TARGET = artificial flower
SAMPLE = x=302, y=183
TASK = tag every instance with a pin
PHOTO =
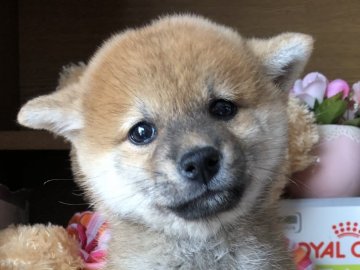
x=338, y=86
x=92, y=233
x=332, y=103
x=311, y=88
x=353, y=110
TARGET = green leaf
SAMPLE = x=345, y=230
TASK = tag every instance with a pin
x=316, y=105
x=330, y=110
x=353, y=122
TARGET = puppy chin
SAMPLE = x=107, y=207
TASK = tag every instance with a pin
x=209, y=204
x=166, y=221
x=201, y=229
x=172, y=224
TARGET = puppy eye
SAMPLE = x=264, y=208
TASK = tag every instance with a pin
x=142, y=133
x=222, y=109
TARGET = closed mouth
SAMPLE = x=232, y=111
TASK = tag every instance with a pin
x=208, y=204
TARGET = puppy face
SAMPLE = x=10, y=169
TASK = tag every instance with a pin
x=178, y=124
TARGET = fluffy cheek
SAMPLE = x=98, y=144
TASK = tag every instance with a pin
x=114, y=183
x=263, y=136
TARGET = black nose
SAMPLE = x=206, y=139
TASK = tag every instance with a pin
x=200, y=165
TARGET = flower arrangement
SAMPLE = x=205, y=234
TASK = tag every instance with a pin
x=92, y=233
x=333, y=102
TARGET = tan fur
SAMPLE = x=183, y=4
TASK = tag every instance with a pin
x=303, y=136
x=168, y=72
x=117, y=67
x=38, y=247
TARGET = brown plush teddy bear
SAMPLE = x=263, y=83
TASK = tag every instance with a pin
x=51, y=247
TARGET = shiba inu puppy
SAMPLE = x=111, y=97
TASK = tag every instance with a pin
x=179, y=137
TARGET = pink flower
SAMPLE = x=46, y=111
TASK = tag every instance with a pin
x=92, y=233
x=311, y=88
x=338, y=86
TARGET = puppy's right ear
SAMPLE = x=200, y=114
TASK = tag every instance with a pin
x=59, y=112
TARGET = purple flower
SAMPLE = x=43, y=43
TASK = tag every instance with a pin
x=338, y=86
x=311, y=88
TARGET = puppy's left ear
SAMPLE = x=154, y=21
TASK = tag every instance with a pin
x=283, y=57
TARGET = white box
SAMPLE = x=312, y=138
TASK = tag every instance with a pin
x=329, y=229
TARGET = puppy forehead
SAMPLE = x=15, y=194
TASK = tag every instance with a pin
x=166, y=67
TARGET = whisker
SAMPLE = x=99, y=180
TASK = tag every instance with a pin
x=55, y=179
x=80, y=194
x=73, y=204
